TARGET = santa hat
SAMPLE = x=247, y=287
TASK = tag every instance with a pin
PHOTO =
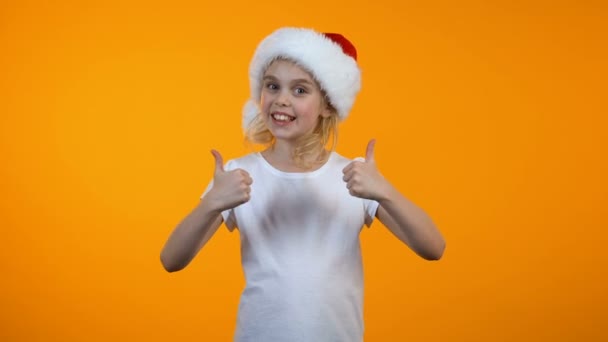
x=330, y=57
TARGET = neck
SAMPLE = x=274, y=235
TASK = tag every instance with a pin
x=281, y=156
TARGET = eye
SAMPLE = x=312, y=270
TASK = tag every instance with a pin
x=300, y=90
x=272, y=86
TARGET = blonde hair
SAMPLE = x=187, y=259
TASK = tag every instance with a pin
x=313, y=144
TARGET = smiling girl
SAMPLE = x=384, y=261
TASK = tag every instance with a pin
x=298, y=205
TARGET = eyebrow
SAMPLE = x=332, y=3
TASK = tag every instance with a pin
x=296, y=81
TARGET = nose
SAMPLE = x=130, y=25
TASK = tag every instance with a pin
x=282, y=98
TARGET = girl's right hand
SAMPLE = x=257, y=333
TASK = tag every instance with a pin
x=230, y=189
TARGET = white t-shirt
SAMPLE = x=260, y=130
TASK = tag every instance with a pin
x=300, y=253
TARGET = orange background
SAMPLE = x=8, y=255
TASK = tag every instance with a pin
x=489, y=115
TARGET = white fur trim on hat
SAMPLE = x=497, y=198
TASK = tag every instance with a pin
x=337, y=73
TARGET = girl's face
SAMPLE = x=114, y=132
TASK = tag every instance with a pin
x=291, y=101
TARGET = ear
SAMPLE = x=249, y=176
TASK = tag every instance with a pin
x=327, y=109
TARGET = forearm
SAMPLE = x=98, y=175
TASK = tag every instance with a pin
x=410, y=224
x=189, y=236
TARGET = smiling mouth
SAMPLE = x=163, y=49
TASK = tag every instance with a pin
x=282, y=117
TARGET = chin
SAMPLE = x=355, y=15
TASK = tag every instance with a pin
x=284, y=137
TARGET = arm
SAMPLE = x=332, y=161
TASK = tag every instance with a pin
x=403, y=218
x=230, y=189
x=190, y=236
x=410, y=224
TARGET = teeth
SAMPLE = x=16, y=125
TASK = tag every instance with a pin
x=281, y=117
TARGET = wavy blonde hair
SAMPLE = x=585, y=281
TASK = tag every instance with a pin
x=325, y=134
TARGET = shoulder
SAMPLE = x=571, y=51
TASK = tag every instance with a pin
x=340, y=161
x=243, y=162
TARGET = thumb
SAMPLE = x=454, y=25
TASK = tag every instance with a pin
x=219, y=161
x=369, y=153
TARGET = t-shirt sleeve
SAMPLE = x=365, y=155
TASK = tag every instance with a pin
x=227, y=215
x=371, y=207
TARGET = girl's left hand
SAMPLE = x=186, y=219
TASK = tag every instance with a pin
x=363, y=178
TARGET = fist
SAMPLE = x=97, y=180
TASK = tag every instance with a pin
x=230, y=189
x=362, y=178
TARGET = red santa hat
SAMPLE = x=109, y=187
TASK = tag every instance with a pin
x=329, y=57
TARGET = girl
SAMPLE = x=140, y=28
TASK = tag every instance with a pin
x=298, y=205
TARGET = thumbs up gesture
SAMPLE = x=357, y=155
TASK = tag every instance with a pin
x=230, y=189
x=363, y=178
